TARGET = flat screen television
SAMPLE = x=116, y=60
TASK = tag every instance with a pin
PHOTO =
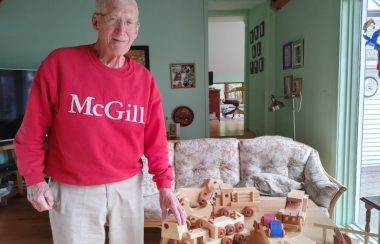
x=15, y=86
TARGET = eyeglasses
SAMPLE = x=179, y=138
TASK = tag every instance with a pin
x=113, y=20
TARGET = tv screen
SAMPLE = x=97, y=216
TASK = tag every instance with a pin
x=14, y=91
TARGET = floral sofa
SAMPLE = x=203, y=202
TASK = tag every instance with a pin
x=273, y=164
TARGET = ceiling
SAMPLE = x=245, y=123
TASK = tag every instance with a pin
x=214, y=5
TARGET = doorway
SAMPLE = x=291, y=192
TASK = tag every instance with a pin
x=226, y=45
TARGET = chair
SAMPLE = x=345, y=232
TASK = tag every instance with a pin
x=235, y=97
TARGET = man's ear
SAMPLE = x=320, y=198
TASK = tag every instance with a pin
x=95, y=22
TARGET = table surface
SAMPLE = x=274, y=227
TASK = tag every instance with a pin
x=373, y=201
x=314, y=214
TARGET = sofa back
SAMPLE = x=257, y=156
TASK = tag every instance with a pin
x=273, y=164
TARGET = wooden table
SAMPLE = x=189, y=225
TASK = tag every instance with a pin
x=370, y=203
x=314, y=214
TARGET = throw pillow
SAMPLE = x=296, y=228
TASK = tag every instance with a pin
x=270, y=184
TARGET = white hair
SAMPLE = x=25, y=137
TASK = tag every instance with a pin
x=101, y=5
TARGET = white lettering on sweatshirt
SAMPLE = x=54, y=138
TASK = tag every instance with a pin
x=128, y=112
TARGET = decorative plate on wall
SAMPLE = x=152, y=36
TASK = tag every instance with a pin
x=183, y=115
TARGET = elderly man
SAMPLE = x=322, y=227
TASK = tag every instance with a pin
x=92, y=113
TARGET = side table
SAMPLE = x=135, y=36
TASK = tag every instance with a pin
x=370, y=203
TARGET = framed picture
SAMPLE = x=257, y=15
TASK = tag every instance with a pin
x=287, y=55
x=251, y=37
x=256, y=67
x=256, y=32
x=253, y=51
x=261, y=64
x=288, y=86
x=297, y=86
x=251, y=67
x=182, y=75
x=140, y=54
x=298, y=53
x=258, y=51
x=261, y=28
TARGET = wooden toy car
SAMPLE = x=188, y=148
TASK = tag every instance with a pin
x=225, y=230
x=294, y=214
x=276, y=229
x=267, y=218
x=221, y=196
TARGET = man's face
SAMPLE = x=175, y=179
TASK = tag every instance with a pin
x=117, y=28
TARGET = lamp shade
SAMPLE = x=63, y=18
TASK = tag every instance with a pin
x=275, y=105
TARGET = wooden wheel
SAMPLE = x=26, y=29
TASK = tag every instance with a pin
x=224, y=212
x=226, y=240
x=239, y=238
x=193, y=220
x=221, y=232
x=239, y=227
x=247, y=212
x=230, y=229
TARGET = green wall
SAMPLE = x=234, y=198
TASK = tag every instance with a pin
x=318, y=23
x=174, y=30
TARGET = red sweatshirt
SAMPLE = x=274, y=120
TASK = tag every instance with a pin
x=99, y=122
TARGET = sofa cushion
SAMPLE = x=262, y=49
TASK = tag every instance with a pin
x=149, y=187
x=317, y=184
x=273, y=154
x=283, y=156
x=271, y=184
x=200, y=159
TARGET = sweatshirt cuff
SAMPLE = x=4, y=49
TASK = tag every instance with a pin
x=33, y=179
x=163, y=183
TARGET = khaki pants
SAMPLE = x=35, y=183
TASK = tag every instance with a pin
x=80, y=213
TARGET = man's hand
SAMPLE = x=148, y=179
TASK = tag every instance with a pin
x=169, y=200
x=40, y=196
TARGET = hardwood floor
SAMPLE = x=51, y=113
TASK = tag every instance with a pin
x=21, y=224
x=229, y=127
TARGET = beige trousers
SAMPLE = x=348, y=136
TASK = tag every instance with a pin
x=80, y=213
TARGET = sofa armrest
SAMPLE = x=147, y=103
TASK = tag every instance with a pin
x=337, y=195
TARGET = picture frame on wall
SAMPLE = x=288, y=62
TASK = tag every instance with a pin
x=253, y=51
x=288, y=86
x=297, y=87
x=298, y=53
x=140, y=54
x=251, y=36
x=287, y=51
x=258, y=49
x=251, y=67
x=261, y=64
x=182, y=75
x=261, y=28
x=256, y=32
x=255, y=66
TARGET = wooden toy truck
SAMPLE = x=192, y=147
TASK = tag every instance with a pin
x=225, y=230
x=294, y=214
x=221, y=196
x=227, y=199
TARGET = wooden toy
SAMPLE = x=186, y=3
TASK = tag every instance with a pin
x=345, y=230
x=224, y=229
x=258, y=235
x=276, y=229
x=221, y=196
x=339, y=238
x=267, y=218
x=294, y=214
x=226, y=199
